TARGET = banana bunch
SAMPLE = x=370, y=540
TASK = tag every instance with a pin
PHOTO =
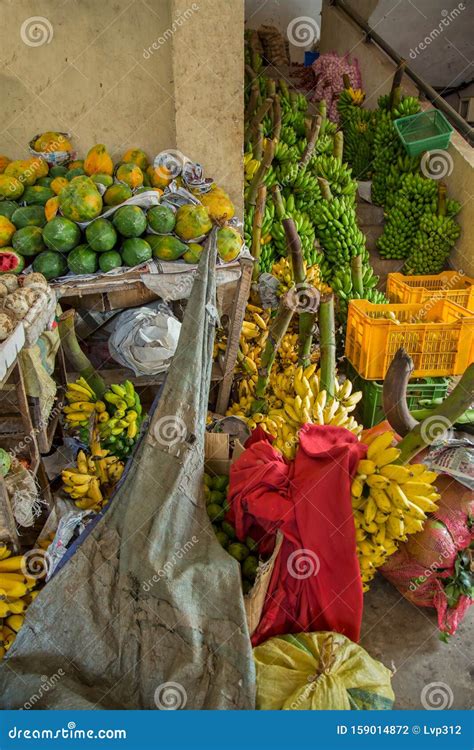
x=400, y=173
x=342, y=286
x=282, y=271
x=16, y=593
x=432, y=244
x=336, y=173
x=303, y=226
x=389, y=501
x=359, y=132
x=387, y=146
x=413, y=227
x=336, y=227
x=250, y=166
x=294, y=399
x=349, y=100
x=119, y=424
x=89, y=483
x=82, y=403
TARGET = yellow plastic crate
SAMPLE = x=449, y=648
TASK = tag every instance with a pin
x=451, y=285
x=439, y=338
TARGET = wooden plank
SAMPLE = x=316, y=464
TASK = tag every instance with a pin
x=236, y=319
x=8, y=532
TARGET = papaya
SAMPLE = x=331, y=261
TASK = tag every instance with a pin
x=37, y=195
x=29, y=216
x=51, y=208
x=7, y=230
x=193, y=253
x=8, y=208
x=28, y=241
x=229, y=243
x=80, y=201
x=45, y=181
x=39, y=166
x=192, y=221
x=109, y=260
x=116, y=194
x=102, y=179
x=61, y=234
x=98, y=160
x=159, y=176
x=82, y=260
x=166, y=246
x=75, y=164
x=130, y=174
x=161, y=219
x=135, y=251
x=101, y=235
x=76, y=172
x=58, y=171
x=20, y=169
x=137, y=156
x=58, y=184
x=219, y=206
x=50, y=264
x=4, y=162
x=129, y=221
x=51, y=141
x=10, y=187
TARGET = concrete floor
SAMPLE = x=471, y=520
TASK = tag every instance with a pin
x=406, y=639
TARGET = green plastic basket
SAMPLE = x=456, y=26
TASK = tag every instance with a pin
x=425, y=131
x=370, y=410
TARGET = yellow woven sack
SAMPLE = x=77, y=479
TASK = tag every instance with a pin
x=319, y=671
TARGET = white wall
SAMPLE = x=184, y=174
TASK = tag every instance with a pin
x=281, y=14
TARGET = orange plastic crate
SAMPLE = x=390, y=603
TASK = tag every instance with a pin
x=439, y=338
x=451, y=285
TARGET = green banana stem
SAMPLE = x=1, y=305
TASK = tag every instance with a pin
x=278, y=202
x=396, y=90
x=325, y=189
x=327, y=337
x=277, y=330
x=356, y=273
x=440, y=419
x=338, y=145
x=442, y=199
x=75, y=356
x=315, y=129
x=259, y=175
x=256, y=248
x=276, y=114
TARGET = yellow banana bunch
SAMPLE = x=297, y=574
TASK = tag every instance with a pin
x=282, y=271
x=357, y=95
x=16, y=593
x=82, y=403
x=85, y=482
x=389, y=501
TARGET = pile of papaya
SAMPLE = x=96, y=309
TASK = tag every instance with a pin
x=52, y=214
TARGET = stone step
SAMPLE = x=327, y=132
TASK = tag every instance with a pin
x=369, y=215
x=372, y=233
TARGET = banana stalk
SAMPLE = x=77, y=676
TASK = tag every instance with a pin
x=460, y=399
x=441, y=199
x=276, y=116
x=327, y=337
x=316, y=123
x=277, y=330
x=252, y=127
x=396, y=90
x=257, y=230
x=356, y=274
x=338, y=147
x=259, y=175
x=76, y=356
x=325, y=189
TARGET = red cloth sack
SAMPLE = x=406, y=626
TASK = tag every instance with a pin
x=315, y=584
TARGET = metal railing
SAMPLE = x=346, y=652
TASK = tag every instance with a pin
x=431, y=94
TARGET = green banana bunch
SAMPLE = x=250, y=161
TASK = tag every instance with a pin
x=432, y=244
x=337, y=174
x=359, y=131
x=415, y=197
x=337, y=230
x=342, y=285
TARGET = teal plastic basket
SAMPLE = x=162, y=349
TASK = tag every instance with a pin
x=425, y=131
